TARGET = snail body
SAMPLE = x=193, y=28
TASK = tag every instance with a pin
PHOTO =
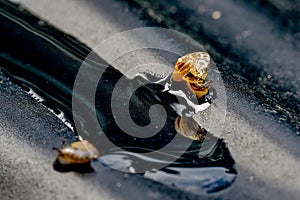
x=80, y=152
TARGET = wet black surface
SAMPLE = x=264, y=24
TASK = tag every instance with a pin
x=33, y=57
x=28, y=133
x=265, y=150
x=255, y=45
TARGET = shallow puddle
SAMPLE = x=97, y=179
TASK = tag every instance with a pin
x=181, y=154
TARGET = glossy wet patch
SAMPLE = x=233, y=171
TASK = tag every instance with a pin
x=47, y=60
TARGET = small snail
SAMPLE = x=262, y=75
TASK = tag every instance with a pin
x=80, y=152
x=193, y=68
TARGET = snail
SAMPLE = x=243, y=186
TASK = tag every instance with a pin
x=80, y=152
x=193, y=68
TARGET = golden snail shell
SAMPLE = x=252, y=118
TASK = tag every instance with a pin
x=193, y=68
x=77, y=153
